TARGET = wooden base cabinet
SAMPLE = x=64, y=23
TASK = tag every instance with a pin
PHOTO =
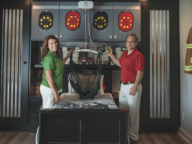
x=34, y=105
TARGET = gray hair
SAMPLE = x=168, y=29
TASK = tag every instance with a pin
x=132, y=34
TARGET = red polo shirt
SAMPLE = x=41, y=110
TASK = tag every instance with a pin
x=130, y=64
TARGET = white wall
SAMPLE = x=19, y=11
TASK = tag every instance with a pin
x=185, y=79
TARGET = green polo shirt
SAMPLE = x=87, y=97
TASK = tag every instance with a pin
x=54, y=63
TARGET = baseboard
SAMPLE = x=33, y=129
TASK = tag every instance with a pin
x=158, y=128
x=32, y=130
x=185, y=135
x=14, y=127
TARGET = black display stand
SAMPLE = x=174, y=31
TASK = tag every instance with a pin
x=82, y=126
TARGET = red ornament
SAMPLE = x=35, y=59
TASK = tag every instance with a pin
x=126, y=21
x=72, y=20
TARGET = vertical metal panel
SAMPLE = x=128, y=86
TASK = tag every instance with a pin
x=161, y=41
x=158, y=61
x=16, y=63
x=163, y=64
x=5, y=64
x=168, y=71
x=12, y=64
x=20, y=61
x=2, y=56
x=166, y=75
x=9, y=64
x=151, y=47
x=159, y=64
x=166, y=84
x=155, y=62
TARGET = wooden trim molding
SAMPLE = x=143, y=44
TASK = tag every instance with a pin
x=143, y=1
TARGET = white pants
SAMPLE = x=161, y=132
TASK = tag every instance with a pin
x=48, y=101
x=132, y=103
x=47, y=96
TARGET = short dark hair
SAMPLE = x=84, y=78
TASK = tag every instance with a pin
x=132, y=34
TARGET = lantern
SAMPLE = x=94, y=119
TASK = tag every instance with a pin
x=100, y=20
x=46, y=20
x=72, y=20
x=125, y=21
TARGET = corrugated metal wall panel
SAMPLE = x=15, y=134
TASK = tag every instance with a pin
x=159, y=64
x=11, y=63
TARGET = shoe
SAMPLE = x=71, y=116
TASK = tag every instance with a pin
x=132, y=141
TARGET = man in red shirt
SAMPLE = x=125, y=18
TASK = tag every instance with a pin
x=132, y=65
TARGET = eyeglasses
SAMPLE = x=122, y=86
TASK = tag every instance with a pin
x=130, y=42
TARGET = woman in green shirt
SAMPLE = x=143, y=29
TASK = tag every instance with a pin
x=52, y=71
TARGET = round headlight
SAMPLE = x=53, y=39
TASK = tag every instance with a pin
x=125, y=21
x=100, y=20
x=72, y=20
x=45, y=20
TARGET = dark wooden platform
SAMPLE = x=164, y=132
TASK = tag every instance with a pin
x=83, y=126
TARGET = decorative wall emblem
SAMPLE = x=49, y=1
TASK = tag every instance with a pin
x=46, y=20
x=125, y=21
x=100, y=20
x=72, y=20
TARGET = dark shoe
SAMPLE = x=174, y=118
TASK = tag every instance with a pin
x=132, y=141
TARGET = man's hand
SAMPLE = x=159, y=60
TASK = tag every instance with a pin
x=133, y=91
x=114, y=59
x=109, y=53
x=57, y=97
x=138, y=79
